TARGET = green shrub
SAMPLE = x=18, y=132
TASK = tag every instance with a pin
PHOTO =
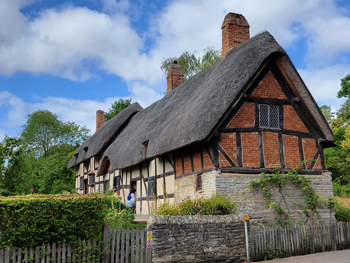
x=120, y=218
x=5, y=192
x=188, y=207
x=33, y=220
x=215, y=205
x=168, y=209
x=112, y=202
x=341, y=190
x=61, y=188
x=342, y=213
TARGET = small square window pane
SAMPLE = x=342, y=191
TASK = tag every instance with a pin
x=274, y=116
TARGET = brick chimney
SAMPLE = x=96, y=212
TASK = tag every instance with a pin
x=175, y=76
x=100, y=119
x=235, y=30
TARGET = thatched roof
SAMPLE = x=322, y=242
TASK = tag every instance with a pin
x=100, y=140
x=192, y=111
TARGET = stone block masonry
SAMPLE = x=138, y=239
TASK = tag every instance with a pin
x=198, y=239
x=254, y=203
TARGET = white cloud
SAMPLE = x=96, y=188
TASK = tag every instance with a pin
x=82, y=112
x=70, y=41
x=324, y=84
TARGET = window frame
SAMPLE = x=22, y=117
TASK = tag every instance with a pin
x=149, y=190
x=116, y=182
x=91, y=176
x=199, y=182
x=269, y=106
x=82, y=183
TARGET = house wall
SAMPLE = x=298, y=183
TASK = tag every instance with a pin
x=201, y=169
x=243, y=143
x=254, y=203
x=193, y=158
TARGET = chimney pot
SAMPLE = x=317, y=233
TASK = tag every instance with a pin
x=175, y=76
x=235, y=30
x=100, y=119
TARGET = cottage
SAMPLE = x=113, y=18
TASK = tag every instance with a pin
x=246, y=114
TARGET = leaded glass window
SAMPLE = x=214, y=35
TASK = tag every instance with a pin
x=268, y=116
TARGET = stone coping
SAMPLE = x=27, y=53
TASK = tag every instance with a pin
x=196, y=219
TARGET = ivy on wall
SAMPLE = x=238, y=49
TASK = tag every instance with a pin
x=278, y=179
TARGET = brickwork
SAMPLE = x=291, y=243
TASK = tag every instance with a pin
x=310, y=149
x=100, y=119
x=250, y=150
x=223, y=161
x=178, y=162
x=228, y=143
x=245, y=117
x=291, y=151
x=269, y=88
x=235, y=30
x=292, y=120
x=271, y=150
x=318, y=165
x=206, y=159
x=196, y=157
x=175, y=76
x=197, y=239
x=187, y=160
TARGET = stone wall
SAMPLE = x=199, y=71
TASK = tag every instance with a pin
x=254, y=203
x=198, y=239
x=185, y=187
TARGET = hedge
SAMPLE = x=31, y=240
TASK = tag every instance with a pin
x=35, y=220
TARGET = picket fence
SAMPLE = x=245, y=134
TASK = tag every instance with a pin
x=296, y=240
x=119, y=246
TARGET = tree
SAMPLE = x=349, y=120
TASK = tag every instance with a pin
x=337, y=159
x=327, y=113
x=43, y=130
x=13, y=164
x=191, y=64
x=116, y=107
x=345, y=87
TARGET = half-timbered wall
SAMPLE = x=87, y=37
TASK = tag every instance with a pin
x=247, y=141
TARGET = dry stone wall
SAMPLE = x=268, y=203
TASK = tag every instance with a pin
x=198, y=239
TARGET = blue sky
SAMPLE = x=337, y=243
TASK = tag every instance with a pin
x=75, y=57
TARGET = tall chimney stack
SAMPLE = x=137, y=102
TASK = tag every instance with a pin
x=100, y=119
x=175, y=76
x=235, y=30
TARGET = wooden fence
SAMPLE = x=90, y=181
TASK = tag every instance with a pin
x=267, y=243
x=119, y=246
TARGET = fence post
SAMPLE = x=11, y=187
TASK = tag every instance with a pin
x=106, y=238
x=246, y=219
x=149, y=247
